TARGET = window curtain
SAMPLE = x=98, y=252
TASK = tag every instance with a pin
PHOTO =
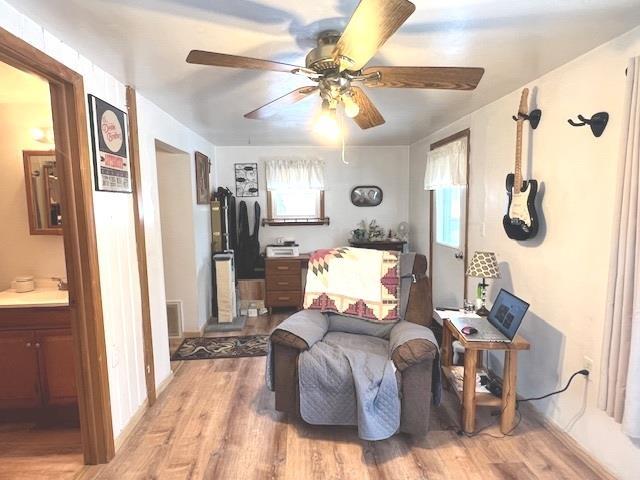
x=447, y=165
x=294, y=173
x=619, y=392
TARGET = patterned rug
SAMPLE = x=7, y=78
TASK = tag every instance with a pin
x=203, y=348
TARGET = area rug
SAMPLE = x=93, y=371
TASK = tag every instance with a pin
x=203, y=348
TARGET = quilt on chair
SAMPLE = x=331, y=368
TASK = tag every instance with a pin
x=354, y=282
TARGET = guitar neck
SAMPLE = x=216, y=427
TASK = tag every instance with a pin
x=517, y=180
x=522, y=110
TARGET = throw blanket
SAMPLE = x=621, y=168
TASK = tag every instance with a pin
x=355, y=282
x=348, y=379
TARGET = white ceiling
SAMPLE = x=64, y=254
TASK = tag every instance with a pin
x=145, y=42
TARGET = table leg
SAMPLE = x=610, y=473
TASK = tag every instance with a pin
x=509, y=390
x=469, y=391
x=447, y=349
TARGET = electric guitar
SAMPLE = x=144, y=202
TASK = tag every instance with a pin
x=521, y=220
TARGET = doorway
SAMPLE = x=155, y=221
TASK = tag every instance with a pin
x=175, y=196
x=448, y=224
x=38, y=393
x=69, y=204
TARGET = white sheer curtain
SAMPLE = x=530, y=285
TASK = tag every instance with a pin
x=620, y=374
x=284, y=173
x=447, y=165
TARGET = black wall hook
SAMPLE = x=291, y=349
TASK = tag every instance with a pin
x=533, y=117
x=597, y=123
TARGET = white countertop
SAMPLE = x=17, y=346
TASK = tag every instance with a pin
x=40, y=297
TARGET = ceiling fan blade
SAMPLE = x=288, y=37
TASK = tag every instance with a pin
x=373, y=22
x=272, y=107
x=200, y=57
x=447, y=78
x=369, y=115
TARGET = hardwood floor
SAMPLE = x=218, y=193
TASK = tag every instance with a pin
x=27, y=452
x=217, y=421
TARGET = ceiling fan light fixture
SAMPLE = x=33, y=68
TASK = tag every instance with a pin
x=351, y=108
x=327, y=126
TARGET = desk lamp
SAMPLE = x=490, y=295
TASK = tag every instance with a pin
x=483, y=265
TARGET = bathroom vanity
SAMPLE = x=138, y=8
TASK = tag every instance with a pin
x=37, y=377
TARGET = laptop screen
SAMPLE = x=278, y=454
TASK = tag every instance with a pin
x=507, y=313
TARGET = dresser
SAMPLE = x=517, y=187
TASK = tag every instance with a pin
x=390, y=245
x=284, y=281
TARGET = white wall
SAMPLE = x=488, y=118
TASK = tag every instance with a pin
x=20, y=252
x=178, y=235
x=386, y=167
x=115, y=231
x=156, y=125
x=563, y=273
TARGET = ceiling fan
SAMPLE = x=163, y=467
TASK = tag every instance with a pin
x=338, y=66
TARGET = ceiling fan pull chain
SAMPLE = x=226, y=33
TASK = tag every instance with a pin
x=342, y=131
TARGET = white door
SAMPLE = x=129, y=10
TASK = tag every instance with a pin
x=448, y=246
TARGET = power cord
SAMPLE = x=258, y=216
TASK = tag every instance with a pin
x=584, y=372
x=480, y=431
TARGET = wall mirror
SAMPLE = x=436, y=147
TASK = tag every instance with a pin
x=43, y=192
x=366, y=196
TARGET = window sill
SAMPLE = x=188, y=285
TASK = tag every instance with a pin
x=294, y=222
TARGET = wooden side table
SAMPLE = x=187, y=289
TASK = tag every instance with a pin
x=469, y=399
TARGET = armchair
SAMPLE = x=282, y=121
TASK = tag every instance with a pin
x=412, y=354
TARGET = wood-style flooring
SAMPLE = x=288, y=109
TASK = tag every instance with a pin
x=28, y=452
x=216, y=420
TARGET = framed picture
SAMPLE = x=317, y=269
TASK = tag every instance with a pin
x=109, y=134
x=246, y=179
x=203, y=167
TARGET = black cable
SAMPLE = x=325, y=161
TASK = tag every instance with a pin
x=579, y=372
x=510, y=432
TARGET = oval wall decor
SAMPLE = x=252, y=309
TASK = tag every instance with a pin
x=366, y=196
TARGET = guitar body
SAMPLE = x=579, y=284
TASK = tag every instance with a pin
x=521, y=220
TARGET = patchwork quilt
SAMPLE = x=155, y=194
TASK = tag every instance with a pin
x=354, y=282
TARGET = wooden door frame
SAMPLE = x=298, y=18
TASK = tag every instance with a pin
x=141, y=245
x=440, y=143
x=68, y=105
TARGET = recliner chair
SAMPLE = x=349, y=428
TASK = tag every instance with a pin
x=413, y=359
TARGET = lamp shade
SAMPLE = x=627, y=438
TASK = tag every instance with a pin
x=483, y=265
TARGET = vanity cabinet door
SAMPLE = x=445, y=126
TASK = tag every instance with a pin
x=19, y=378
x=55, y=350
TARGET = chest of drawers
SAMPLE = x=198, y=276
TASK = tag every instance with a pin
x=284, y=281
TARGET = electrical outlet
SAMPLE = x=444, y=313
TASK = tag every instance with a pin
x=587, y=364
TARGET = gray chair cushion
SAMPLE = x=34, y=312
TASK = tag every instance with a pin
x=339, y=323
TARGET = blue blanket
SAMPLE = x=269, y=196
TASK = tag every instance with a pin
x=348, y=379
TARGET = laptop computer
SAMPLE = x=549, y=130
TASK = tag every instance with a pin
x=502, y=323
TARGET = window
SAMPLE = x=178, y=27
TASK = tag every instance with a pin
x=296, y=206
x=448, y=216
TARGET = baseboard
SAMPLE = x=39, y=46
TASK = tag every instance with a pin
x=569, y=442
x=131, y=425
x=198, y=333
x=164, y=384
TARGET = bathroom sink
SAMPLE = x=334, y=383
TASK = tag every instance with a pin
x=40, y=297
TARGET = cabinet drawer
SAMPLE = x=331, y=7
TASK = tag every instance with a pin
x=284, y=282
x=282, y=267
x=283, y=299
